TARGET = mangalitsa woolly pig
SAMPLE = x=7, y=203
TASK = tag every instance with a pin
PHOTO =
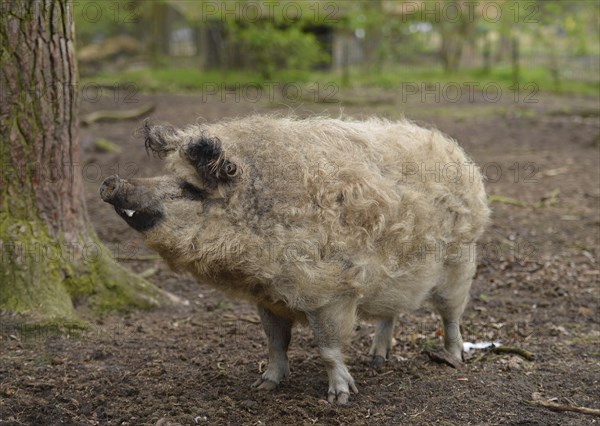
x=316, y=220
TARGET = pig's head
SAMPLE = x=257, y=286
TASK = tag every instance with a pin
x=193, y=194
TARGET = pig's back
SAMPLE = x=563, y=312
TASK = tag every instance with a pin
x=358, y=185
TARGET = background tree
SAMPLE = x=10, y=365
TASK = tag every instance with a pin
x=456, y=26
x=51, y=258
x=268, y=47
x=258, y=38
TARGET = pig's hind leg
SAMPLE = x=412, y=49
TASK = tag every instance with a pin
x=332, y=326
x=279, y=333
x=450, y=299
x=382, y=342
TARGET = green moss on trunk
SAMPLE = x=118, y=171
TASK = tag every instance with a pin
x=44, y=277
x=31, y=282
x=106, y=285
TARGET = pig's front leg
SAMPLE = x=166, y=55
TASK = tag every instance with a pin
x=279, y=333
x=332, y=325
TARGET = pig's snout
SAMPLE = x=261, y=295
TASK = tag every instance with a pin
x=132, y=201
x=110, y=188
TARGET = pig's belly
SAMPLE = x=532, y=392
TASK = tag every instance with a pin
x=390, y=296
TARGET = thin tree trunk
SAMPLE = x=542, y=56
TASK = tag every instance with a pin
x=516, y=59
x=50, y=256
x=159, y=32
x=455, y=34
x=487, y=53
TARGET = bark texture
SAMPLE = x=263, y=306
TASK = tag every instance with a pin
x=51, y=257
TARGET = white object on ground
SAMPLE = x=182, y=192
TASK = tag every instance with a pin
x=467, y=346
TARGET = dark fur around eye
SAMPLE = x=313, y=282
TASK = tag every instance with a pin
x=209, y=160
x=204, y=151
x=192, y=192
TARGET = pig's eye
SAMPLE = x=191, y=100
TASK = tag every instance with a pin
x=230, y=169
x=192, y=192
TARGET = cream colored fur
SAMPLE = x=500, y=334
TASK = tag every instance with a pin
x=323, y=220
x=325, y=207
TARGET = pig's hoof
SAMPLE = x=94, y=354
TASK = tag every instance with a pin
x=341, y=398
x=377, y=362
x=342, y=395
x=264, y=384
x=445, y=357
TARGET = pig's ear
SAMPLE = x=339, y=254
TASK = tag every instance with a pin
x=158, y=139
x=209, y=160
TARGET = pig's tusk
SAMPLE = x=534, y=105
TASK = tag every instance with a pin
x=129, y=212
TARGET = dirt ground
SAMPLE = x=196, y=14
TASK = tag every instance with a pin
x=536, y=289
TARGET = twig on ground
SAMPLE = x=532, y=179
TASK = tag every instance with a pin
x=250, y=320
x=246, y=319
x=148, y=272
x=544, y=202
x=506, y=200
x=564, y=407
x=529, y=356
x=141, y=257
x=106, y=115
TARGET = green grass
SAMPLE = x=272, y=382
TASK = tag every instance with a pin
x=530, y=80
x=190, y=79
x=185, y=80
x=171, y=79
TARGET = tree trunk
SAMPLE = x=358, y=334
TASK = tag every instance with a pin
x=159, y=32
x=454, y=34
x=51, y=258
x=451, y=50
x=516, y=60
x=487, y=53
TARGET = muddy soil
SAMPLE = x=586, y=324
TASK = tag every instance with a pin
x=536, y=289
